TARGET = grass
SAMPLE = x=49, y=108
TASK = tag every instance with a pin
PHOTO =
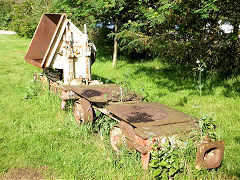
x=35, y=133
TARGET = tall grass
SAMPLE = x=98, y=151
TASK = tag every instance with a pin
x=34, y=132
x=177, y=88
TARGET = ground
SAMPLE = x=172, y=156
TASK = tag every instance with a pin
x=24, y=173
x=6, y=32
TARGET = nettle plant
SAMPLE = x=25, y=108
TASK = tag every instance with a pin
x=103, y=124
x=206, y=123
x=167, y=161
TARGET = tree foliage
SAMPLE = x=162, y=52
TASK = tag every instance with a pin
x=181, y=32
x=178, y=31
x=26, y=16
x=6, y=14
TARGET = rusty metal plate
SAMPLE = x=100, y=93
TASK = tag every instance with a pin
x=42, y=39
x=165, y=130
x=103, y=93
x=142, y=114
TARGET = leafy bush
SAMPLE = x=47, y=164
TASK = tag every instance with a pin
x=24, y=22
x=27, y=15
x=6, y=14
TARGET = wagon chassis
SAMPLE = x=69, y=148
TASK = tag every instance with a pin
x=140, y=124
x=65, y=54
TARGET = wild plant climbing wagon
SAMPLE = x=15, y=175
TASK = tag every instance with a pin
x=66, y=54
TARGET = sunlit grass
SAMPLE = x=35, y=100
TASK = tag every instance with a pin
x=34, y=132
x=178, y=89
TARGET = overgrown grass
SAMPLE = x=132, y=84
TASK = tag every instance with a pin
x=34, y=132
x=177, y=88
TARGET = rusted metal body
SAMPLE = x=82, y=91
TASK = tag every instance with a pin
x=65, y=54
x=210, y=153
x=103, y=93
x=143, y=123
x=60, y=48
x=83, y=111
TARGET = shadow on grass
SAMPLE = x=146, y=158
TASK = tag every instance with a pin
x=102, y=79
x=172, y=78
x=175, y=79
x=237, y=139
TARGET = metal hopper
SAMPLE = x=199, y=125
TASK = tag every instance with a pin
x=61, y=50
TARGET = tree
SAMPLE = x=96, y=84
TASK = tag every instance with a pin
x=103, y=11
x=180, y=31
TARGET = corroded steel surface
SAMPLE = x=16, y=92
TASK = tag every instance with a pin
x=83, y=112
x=149, y=114
x=42, y=39
x=103, y=93
x=165, y=130
x=124, y=134
x=210, y=155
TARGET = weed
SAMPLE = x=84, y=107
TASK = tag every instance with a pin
x=124, y=85
x=103, y=124
x=207, y=125
x=33, y=90
x=200, y=69
x=166, y=161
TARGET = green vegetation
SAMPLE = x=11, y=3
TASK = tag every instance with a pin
x=178, y=32
x=6, y=14
x=35, y=133
x=26, y=16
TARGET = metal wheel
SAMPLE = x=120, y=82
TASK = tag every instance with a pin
x=83, y=112
x=117, y=139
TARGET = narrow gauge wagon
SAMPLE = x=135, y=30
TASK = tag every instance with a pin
x=65, y=55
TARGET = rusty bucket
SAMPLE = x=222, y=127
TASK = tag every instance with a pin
x=43, y=37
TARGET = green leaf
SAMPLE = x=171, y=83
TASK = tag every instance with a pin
x=105, y=97
x=153, y=164
x=157, y=172
x=164, y=175
x=166, y=6
x=163, y=163
x=97, y=113
x=175, y=152
x=172, y=171
x=200, y=87
x=121, y=8
x=175, y=164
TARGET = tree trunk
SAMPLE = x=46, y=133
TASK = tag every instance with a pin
x=235, y=44
x=115, y=46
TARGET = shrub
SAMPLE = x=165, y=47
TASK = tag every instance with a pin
x=27, y=15
x=6, y=14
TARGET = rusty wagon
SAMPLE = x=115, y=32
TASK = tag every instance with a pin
x=65, y=54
